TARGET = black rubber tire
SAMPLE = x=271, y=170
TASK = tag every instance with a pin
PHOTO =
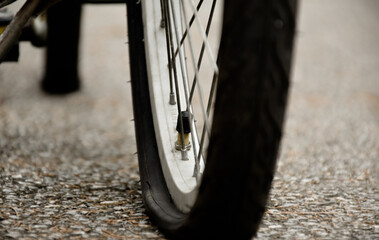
x=254, y=61
x=61, y=68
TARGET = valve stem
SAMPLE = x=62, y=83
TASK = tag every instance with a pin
x=183, y=143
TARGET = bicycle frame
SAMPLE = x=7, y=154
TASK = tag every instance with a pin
x=14, y=29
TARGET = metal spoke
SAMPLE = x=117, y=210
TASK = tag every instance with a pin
x=184, y=73
x=190, y=23
x=206, y=120
x=209, y=107
x=196, y=70
x=165, y=23
x=178, y=37
x=203, y=47
x=204, y=36
x=174, y=69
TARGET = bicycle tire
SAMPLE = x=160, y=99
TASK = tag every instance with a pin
x=62, y=50
x=254, y=61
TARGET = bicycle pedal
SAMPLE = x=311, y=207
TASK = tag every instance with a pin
x=5, y=19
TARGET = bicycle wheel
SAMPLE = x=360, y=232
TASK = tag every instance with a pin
x=216, y=184
x=62, y=50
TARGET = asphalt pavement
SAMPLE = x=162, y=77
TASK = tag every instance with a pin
x=68, y=165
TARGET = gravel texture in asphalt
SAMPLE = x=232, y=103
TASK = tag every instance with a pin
x=68, y=165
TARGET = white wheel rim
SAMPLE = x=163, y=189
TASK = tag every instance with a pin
x=178, y=173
